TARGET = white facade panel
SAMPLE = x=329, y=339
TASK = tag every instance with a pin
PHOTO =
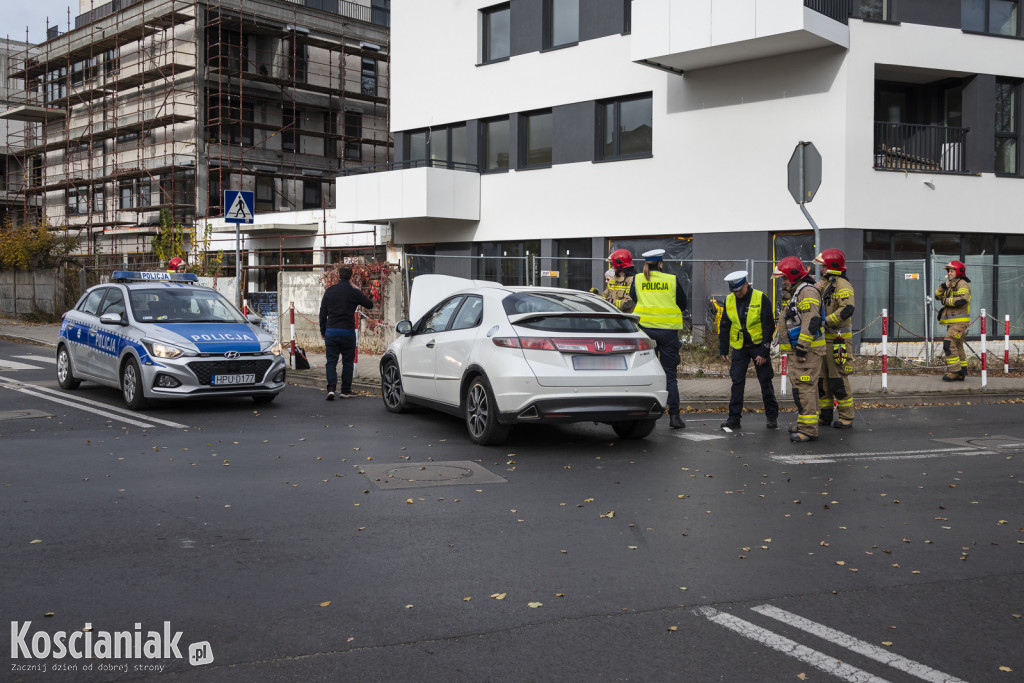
x=409, y=193
x=733, y=21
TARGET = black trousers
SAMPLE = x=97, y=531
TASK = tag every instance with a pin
x=741, y=359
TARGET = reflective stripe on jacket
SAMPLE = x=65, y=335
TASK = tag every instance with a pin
x=840, y=295
x=807, y=302
x=753, y=325
x=656, y=301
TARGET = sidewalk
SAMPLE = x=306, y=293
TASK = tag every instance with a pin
x=703, y=393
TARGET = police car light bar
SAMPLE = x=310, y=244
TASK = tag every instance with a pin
x=143, y=276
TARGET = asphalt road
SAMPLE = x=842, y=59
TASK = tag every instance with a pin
x=306, y=540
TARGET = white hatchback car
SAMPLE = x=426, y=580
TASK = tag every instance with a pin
x=500, y=356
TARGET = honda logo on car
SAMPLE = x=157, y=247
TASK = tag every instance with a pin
x=86, y=644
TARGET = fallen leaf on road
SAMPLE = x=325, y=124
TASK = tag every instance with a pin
x=534, y=605
x=325, y=603
x=499, y=596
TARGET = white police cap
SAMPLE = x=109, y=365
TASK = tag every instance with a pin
x=653, y=255
x=736, y=279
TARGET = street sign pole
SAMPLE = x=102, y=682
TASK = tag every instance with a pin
x=804, y=173
x=238, y=265
x=238, y=209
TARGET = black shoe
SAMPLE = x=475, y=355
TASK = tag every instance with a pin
x=843, y=424
x=730, y=424
x=772, y=424
x=346, y=394
x=954, y=377
x=676, y=422
x=801, y=438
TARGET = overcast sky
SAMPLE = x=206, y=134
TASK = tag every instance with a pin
x=17, y=14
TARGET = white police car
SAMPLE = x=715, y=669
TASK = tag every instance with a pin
x=163, y=335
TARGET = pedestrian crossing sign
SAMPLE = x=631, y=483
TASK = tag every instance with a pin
x=238, y=206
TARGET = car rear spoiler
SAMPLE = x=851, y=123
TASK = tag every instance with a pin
x=519, y=317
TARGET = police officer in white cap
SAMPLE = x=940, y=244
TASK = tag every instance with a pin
x=747, y=328
x=660, y=302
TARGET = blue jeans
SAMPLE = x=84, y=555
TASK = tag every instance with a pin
x=667, y=350
x=345, y=347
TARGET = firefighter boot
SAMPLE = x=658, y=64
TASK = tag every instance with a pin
x=957, y=376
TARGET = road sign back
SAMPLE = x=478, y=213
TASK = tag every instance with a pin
x=239, y=206
x=804, y=172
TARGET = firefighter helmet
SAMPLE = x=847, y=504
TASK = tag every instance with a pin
x=621, y=259
x=958, y=267
x=176, y=264
x=832, y=259
x=791, y=268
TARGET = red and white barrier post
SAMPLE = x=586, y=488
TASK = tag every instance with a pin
x=782, y=371
x=885, y=349
x=1006, y=348
x=355, y=358
x=984, y=352
x=291, y=331
x=245, y=307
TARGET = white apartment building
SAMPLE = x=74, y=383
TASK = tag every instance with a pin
x=568, y=128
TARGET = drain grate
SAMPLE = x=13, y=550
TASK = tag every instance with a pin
x=22, y=414
x=418, y=474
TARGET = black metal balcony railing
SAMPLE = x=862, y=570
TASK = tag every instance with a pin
x=403, y=165
x=833, y=9
x=916, y=147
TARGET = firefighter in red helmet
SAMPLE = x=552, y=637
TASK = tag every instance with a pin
x=617, y=289
x=176, y=265
x=954, y=295
x=800, y=338
x=837, y=318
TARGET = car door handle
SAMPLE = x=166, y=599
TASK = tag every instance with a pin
x=430, y=344
x=92, y=330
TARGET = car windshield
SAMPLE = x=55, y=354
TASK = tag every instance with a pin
x=182, y=305
x=568, y=312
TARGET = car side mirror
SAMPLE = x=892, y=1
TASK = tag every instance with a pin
x=253, y=318
x=113, y=319
x=404, y=328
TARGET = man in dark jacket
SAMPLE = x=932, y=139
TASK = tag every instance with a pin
x=748, y=328
x=337, y=327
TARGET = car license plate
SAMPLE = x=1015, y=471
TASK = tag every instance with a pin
x=232, y=379
x=598, y=362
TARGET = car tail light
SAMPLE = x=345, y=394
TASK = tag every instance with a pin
x=576, y=345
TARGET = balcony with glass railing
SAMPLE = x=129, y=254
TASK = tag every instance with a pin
x=684, y=35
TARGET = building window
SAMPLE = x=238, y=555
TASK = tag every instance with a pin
x=126, y=195
x=1007, y=126
x=561, y=23
x=111, y=61
x=297, y=59
x=289, y=133
x=495, y=144
x=369, y=76
x=627, y=16
x=998, y=17
x=496, y=41
x=444, y=146
x=77, y=201
x=535, y=140
x=353, y=135
x=215, y=198
x=876, y=10
x=312, y=194
x=624, y=126
x=264, y=193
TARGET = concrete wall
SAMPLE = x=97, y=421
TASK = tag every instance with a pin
x=25, y=292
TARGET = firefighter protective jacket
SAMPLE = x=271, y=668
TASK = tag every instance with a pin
x=617, y=292
x=837, y=306
x=803, y=312
x=955, y=298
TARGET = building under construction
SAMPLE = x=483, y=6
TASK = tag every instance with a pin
x=143, y=110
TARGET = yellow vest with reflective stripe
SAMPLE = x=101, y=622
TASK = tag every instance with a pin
x=656, y=301
x=753, y=319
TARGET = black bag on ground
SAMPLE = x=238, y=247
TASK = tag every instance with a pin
x=301, y=362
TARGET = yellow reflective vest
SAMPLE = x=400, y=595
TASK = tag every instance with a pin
x=753, y=325
x=656, y=301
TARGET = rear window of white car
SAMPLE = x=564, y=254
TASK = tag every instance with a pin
x=568, y=312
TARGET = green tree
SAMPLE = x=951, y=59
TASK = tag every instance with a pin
x=29, y=247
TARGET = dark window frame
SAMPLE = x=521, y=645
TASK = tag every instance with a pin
x=987, y=28
x=487, y=28
x=485, y=127
x=602, y=123
x=312, y=187
x=368, y=76
x=548, y=24
x=353, y=128
x=522, y=138
x=1013, y=135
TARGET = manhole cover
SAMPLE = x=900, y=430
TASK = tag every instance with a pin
x=23, y=414
x=414, y=474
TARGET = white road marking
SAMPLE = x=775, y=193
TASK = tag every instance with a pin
x=697, y=436
x=814, y=458
x=40, y=359
x=85, y=404
x=818, y=660
x=861, y=647
x=8, y=365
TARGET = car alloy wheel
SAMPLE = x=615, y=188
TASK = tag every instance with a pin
x=65, y=376
x=131, y=385
x=391, y=388
x=481, y=415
